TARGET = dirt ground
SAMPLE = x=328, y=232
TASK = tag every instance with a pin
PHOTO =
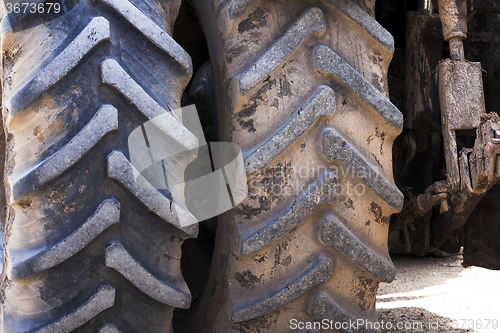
x=439, y=295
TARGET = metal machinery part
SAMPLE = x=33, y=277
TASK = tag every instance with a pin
x=450, y=113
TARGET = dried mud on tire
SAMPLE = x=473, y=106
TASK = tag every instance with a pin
x=301, y=86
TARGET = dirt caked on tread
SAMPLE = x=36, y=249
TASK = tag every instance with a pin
x=302, y=88
x=86, y=249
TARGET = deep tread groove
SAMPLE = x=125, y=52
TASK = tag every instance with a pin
x=319, y=272
x=114, y=75
x=122, y=170
x=152, y=31
x=119, y=258
x=103, y=299
x=321, y=104
x=107, y=214
x=104, y=121
x=312, y=21
x=95, y=32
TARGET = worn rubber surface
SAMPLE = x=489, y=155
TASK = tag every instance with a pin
x=301, y=87
x=86, y=249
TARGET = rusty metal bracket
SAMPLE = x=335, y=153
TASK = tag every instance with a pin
x=418, y=206
x=471, y=171
x=462, y=106
x=484, y=162
x=479, y=171
x=462, y=103
x=460, y=86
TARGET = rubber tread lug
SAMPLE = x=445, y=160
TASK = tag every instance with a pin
x=311, y=21
x=323, y=308
x=103, y=122
x=117, y=257
x=320, y=272
x=236, y=6
x=334, y=233
x=109, y=328
x=298, y=211
x=321, y=104
x=365, y=21
x=152, y=31
x=103, y=299
x=328, y=62
x=122, y=170
x=95, y=32
x=107, y=214
x=114, y=75
x=336, y=148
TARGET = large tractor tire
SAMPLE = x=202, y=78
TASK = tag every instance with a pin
x=301, y=87
x=86, y=248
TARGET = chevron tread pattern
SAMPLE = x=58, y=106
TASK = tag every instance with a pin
x=70, y=219
x=95, y=32
x=319, y=272
x=290, y=74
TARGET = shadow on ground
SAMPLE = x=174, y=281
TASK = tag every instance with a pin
x=439, y=291
x=415, y=320
x=417, y=273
